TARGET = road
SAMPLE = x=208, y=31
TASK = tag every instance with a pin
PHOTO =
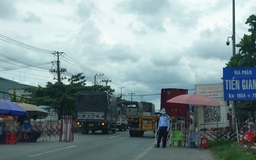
x=117, y=146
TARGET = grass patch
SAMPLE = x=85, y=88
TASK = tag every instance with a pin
x=230, y=151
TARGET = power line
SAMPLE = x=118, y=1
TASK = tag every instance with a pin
x=68, y=59
x=75, y=62
x=152, y=94
x=17, y=62
x=23, y=45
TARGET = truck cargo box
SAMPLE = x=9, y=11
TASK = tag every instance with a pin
x=96, y=110
x=174, y=109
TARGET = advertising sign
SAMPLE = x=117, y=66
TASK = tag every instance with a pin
x=212, y=116
x=239, y=83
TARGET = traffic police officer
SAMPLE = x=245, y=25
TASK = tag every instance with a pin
x=163, y=128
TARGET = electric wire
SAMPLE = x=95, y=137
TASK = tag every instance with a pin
x=68, y=59
x=23, y=45
x=75, y=62
x=19, y=64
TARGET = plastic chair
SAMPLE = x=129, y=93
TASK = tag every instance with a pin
x=249, y=136
x=204, y=142
x=11, y=138
x=177, y=136
x=193, y=139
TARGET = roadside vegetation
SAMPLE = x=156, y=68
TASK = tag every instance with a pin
x=246, y=57
x=58, y=95
x=232, y=151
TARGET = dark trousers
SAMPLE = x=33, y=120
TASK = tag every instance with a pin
x=162, y=133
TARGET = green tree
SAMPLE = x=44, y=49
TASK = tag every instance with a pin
x=246, y=57
x=61, y=96
x=13, y=96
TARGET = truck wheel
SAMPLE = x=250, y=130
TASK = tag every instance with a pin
x=132, y=133
x=141, y=133
x=93, y=131
x=120, y=128
x=137, y=133
x=113, y=130
x=105, y=131
x=85, y=131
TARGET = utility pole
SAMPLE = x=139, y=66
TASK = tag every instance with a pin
x=59, y=70
x=97, y=75
x=234, y=53
x=106, y=81
x=131, y=94
x=233, y=38
x=121, y=88
x=141, y=97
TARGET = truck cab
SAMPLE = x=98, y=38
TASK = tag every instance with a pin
x=141, y=117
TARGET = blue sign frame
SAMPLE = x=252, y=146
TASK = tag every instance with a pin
x=239, y=83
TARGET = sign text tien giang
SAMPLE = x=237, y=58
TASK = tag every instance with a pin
x=239, y=83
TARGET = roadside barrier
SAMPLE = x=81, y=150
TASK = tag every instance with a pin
x=66, y=129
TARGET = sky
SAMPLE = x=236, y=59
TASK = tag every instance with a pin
x=137, y=46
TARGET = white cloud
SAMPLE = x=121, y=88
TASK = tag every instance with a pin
x=7, y=10
x=141, y=45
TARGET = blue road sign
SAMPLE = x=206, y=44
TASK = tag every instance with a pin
x=239, y=83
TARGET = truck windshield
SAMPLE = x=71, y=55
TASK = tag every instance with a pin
x=148, y=107
x=131, y=106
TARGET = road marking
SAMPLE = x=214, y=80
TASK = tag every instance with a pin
x=142, y=154
x=60, y=149
x=115, y=136
x=35, y=155
x=56, y=150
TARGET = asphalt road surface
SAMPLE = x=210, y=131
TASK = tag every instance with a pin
x=114, y=146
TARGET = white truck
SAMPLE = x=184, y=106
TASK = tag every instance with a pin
x=122, y=122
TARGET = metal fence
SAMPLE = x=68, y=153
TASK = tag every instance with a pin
x=62, y=129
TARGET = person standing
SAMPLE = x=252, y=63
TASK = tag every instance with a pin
x=163, y=128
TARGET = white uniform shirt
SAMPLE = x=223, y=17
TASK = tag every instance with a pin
x=164, y=121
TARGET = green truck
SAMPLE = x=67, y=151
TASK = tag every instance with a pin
x=96, y=110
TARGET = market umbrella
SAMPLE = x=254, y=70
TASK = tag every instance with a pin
x=11, y=109
x=195, y=99
x=34, y=111
x=47, y=108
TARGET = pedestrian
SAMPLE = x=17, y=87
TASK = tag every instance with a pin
x=28, y=132
x=163, y=128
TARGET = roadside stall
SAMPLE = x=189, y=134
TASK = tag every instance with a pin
x=8, y=128
x=9, y=113
x=31, y=132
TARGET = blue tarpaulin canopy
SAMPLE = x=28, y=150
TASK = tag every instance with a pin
x=11, y=109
